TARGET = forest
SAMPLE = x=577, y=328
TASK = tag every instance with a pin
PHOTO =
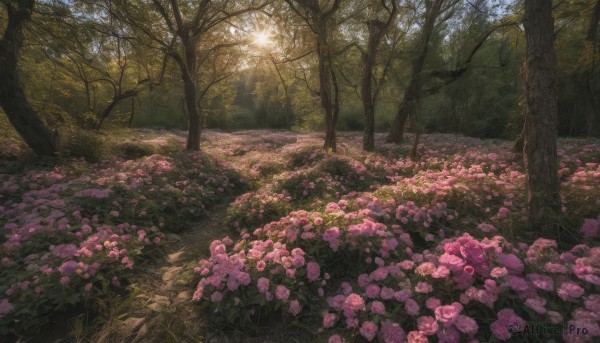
x=299, y=171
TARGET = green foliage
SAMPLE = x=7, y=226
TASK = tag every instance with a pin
x=85, y=144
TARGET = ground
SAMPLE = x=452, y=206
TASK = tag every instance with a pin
x=135, y=241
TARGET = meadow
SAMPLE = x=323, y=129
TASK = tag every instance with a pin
x=280, y=239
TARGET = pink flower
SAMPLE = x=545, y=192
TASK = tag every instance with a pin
x=423, y=287
x=5, y=307
x=263, y=285
x=425, y=268
x=570, y=291
x=556, y=268
x=592, y=303
x=427, y=325
x=466, y=325
x=282, y=293
x=354, y=302
x=377, y=307
x=329, y=320
x=411, y=307
x=542, y=281
x=372, y=291
x=448, y=314
x=244, y=278
x=402, y=295
x=537, y=304
x=290, y=273
x=511, y=262
x=298, y=261
x=441, y=272
x=391, y=332
x=417, y=337
x=379, y=274
x=500, y=331
x=555, y=317
x=431, y=303
x=368, y=330
x=507, y=320
x=335, y=339
x=295, y=307
x=386, y=293
x=503, y=213
x=65, y=280
x=590, y=228
x=486, y=227
x=313, y=271
x=407, y=264
x=448, y=335
x=260, y=265
x=498, y=272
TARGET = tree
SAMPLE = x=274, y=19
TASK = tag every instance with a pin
x=412, y=94
x=319, y=19
x=377, y=30
x=12, y=96
x=100, y=56
x=592, y=112
x=182, y=30
x=540, y=133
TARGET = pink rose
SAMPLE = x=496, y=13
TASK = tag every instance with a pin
x=427, y=325
x=448, y=314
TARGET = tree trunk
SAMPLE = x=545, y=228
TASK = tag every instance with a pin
x=115, y=101
x=540, y=148
x=130, y=123
x=410, y=101
x=376, y=32
x=413, y=154
x=591, y=110
x=519, y=142
x=328, y=90
x=12, y=96
x=188, y=70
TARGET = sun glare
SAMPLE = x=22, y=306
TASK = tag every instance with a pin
x=262, y=39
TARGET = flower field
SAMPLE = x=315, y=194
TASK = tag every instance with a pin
x=350, y=247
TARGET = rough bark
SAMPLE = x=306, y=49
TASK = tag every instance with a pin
x=377, y=30
x=327, y=91
x=12, y=95
x=410, y=101
x=188, y=69
x=540, y=135
x=592, y=110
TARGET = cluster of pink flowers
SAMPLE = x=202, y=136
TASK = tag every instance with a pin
x=65, y=231
x=411, y=240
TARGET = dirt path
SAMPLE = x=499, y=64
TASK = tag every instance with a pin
x=160, y=309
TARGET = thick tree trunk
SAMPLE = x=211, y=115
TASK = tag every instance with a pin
x=592, y=114
x=188, y=70
x=540, y=148
x=12, y=96
x=410, y=101
x=328, y=89
x=376, y=32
